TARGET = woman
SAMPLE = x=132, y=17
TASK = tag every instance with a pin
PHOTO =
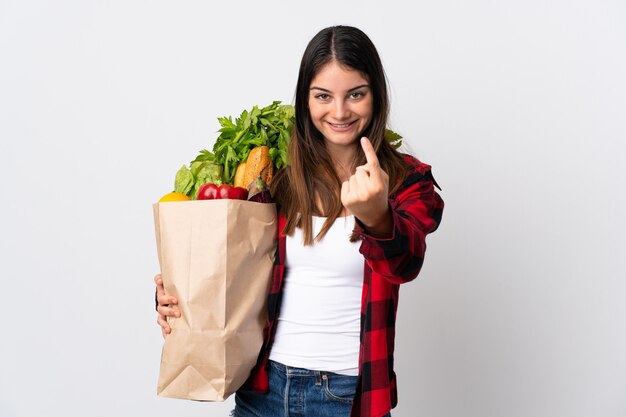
x=353, y=217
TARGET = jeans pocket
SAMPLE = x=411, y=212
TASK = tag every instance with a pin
x=340, y=388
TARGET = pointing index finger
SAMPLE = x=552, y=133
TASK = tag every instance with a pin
x=368, y=149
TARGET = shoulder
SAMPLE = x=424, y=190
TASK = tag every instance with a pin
x=416, y=171
x=414, y=164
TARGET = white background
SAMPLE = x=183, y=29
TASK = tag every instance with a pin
x=519, y=106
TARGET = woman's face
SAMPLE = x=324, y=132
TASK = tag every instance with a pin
x=340, y=103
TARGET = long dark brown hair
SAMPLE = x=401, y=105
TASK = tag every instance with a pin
x=310, y=177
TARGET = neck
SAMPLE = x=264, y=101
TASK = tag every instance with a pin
x=343, y=160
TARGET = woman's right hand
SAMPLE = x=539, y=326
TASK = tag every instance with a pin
x=166, y=306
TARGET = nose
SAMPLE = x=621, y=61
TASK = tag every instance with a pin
x=341, y=110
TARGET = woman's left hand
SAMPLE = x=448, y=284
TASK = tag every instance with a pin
x=365, y=194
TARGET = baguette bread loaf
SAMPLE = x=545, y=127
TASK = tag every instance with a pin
x=257, y=164
x=239, y=175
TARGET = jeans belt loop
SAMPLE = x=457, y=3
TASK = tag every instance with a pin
x=318, y=378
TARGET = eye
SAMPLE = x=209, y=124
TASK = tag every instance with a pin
x=322, y=96
x=357, y=95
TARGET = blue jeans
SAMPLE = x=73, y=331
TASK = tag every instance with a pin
x=297, y=392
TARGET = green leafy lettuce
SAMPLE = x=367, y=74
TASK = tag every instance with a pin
x=189, y=180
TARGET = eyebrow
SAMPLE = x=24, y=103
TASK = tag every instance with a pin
x=328, y=91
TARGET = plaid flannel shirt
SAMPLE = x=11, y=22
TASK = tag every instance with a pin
x=416, y=210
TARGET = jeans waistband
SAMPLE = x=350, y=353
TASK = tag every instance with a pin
x=292, y=370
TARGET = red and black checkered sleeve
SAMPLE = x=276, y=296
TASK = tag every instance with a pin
x=259, y=377
x=416, y=211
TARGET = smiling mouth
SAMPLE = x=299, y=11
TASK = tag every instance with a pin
x=341, y=125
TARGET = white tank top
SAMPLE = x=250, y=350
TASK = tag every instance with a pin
x=319, y=322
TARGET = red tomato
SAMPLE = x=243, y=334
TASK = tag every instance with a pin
x=225, y=191
x=208, y=192
x=239, y=193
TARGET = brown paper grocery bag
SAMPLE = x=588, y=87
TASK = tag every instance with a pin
x=216, y=258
